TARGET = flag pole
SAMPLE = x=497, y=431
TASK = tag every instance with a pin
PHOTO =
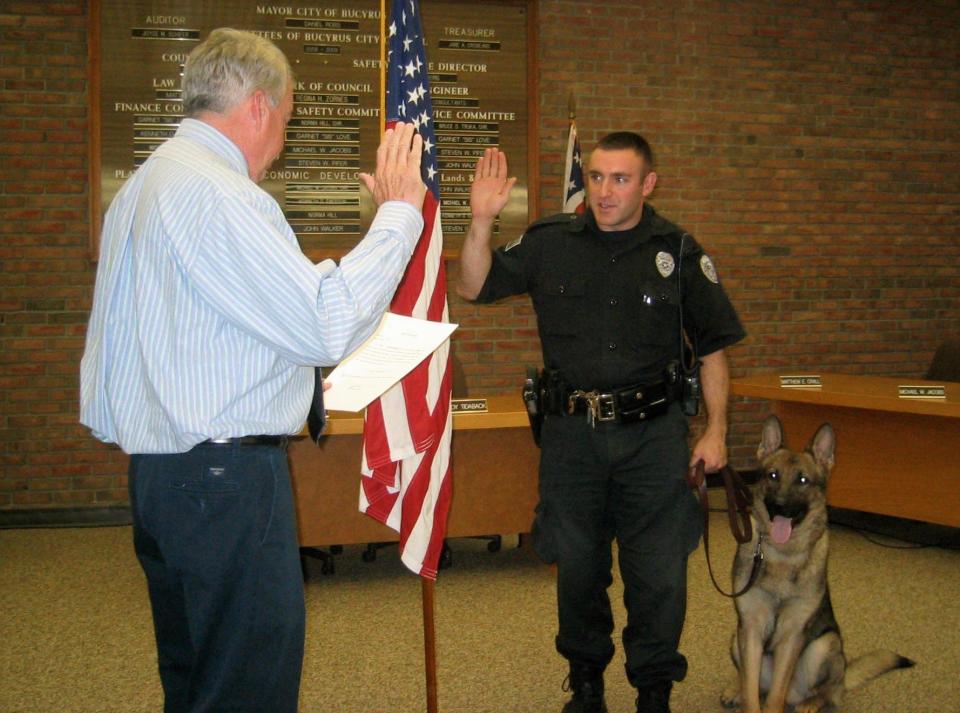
x=572, y=174
x=426, y=584
x=383, y=67
x=429, y=644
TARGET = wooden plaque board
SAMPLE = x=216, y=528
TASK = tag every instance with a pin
x=483, y=85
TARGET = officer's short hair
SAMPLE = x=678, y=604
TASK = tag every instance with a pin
x=228, y=67
x=619, y=140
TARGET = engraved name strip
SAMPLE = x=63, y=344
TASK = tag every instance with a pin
x=163, y=33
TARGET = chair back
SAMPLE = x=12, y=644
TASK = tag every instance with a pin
x=946, y=362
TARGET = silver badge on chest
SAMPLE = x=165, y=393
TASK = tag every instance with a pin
x=665, y=264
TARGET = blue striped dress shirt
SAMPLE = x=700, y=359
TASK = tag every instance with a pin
x=207, y=317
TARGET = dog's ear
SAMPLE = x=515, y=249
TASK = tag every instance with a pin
x=822, y=446
x=771, y=438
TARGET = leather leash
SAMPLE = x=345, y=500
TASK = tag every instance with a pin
x=739, y=500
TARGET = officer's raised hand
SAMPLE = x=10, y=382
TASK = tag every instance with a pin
x=489, y=193
x=491, y=186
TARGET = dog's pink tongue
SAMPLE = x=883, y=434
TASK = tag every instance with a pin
x=781, y=529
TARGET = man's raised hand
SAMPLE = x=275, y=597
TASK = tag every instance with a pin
x=397, y=175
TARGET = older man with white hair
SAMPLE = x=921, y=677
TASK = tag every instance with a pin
x=207, y=323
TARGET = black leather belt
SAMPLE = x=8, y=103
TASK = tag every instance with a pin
x=278, y=441
x=640, y=402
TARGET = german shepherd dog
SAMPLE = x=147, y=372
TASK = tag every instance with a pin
x=787, y=648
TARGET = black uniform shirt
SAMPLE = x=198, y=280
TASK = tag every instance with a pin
x=607, y=302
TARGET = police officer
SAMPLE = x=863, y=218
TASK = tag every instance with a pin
x=611, y=289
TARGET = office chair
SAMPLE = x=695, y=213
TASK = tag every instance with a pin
x=946, y=362
x=370, y=553
x=326, y=558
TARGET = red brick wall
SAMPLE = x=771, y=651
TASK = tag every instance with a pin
x=812, y=147
x=47, y=458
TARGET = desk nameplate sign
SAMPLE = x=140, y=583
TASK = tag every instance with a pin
x=468, y=405
x=922, y=392
x=800, y=381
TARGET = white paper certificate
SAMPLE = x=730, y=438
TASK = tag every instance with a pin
x=390, y=353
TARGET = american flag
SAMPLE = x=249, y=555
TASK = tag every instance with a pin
x=406, y=471
x=573, y=174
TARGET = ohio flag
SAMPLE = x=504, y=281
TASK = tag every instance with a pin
x=573, y=173
x=406, y=473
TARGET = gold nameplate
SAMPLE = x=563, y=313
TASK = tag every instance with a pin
x=468, y=405
x=802, y=381
x=922, y=392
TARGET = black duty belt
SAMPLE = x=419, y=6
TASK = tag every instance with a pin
x=279, y=441
x=639, y=402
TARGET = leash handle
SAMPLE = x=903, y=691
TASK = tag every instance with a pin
x=739, y=500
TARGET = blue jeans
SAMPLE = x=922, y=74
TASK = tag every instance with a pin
x=623, y=481
x=214, y=530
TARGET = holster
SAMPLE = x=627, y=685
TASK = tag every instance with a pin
x=686, y=381
x=532, y=399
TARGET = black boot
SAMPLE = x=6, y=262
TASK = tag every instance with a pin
x=586, y=683
x=655, y=698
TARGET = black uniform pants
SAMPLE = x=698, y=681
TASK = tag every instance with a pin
x=214, y=530
x=623, y=481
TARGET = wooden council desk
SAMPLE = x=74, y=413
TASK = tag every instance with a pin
x=894, y=456
x=495, y=465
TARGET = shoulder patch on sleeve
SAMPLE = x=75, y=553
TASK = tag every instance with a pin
x=706, y=264
x=512, y=244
